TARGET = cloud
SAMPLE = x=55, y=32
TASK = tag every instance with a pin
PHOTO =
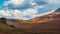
x=14, y=2
x=18, y=4
x=17, y=14
x=46, y=13
x=54, y=1
x=26, y=13
x=5, y=13
x=28, y=9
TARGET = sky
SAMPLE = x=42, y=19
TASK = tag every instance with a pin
x=27, y=9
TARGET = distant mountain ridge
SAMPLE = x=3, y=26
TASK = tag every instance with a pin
x=48, y=17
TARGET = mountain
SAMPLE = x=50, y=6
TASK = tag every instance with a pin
x=49, y=17
x=47, y=24
x=41, y=19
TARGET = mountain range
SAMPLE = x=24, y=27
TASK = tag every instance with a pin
x=47, y=24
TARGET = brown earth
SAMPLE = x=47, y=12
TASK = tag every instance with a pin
x=47, y=24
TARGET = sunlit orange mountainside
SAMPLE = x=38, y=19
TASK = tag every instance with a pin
x=47, y=18
x=47, y=24
x=55, y=16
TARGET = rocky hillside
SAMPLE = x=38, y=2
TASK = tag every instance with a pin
x=47, y=24
x=47, y=18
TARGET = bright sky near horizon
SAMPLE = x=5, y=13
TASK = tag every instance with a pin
x=27, y=9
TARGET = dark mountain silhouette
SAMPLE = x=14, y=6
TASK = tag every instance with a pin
x=58, y=10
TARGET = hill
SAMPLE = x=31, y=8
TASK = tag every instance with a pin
x=47, y=24
x=47, y=18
